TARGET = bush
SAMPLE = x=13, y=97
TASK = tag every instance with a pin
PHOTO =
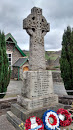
x=66, y=60
x=5, y=71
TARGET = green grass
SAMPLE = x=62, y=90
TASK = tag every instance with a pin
x=46, y=56
x=54, y=57
x=51, y=56
x=52, y=70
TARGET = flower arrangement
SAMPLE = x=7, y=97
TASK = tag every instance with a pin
x=22, y=126
x=67, y=121
x=38, y=121
x=51, y=120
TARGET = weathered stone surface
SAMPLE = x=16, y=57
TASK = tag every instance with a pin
x=37, y=84
x=31, y=104
x=37, y=88
x=24, y=114
x=5, y=124
x=15, y=121
x=37, y=27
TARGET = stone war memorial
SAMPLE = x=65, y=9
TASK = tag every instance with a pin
x=37, y=93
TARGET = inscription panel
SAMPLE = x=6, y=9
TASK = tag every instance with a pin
x=41, y=84
x=35, y=103
x=43, y=102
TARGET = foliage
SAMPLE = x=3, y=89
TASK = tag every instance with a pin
x=56, y=66
x=5, y=71
x=66, y=60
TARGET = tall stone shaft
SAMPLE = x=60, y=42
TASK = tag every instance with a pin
x=37, y=27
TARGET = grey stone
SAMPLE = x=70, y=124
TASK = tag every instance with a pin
x=15, y=121
x=24, y=114
x=39, y=84
x=37, y=90
x=31, y=104
x=5, y=124
x=37, y=27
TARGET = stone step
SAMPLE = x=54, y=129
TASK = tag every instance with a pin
x=23, y=114
x=19, y=111
x=14, y=120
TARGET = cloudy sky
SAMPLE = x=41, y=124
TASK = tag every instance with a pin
x=59, y=13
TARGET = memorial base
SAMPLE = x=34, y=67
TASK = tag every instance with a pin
x=18, y=114
x=37, y=103
x=36, y=97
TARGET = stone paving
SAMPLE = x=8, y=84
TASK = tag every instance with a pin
x=5, y=124
x=14, y=88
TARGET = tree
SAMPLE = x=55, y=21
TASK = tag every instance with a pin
x=66, y=60
x=5, y=71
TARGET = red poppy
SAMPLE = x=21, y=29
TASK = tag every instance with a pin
x=67, y=120
x=28, y=123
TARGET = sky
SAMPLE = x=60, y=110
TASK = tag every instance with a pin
x=59, y=13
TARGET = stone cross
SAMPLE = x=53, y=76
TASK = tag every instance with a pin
x=37, y=27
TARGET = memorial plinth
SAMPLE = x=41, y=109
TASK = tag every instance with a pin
x=37, y=93
x=39, y=90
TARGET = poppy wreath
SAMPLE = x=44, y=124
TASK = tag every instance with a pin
x=67, y=115
x=28, y=123
x=50, y=120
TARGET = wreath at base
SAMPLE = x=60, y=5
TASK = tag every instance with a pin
x=38, y=120
x=67, y=120
x=50, y=120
